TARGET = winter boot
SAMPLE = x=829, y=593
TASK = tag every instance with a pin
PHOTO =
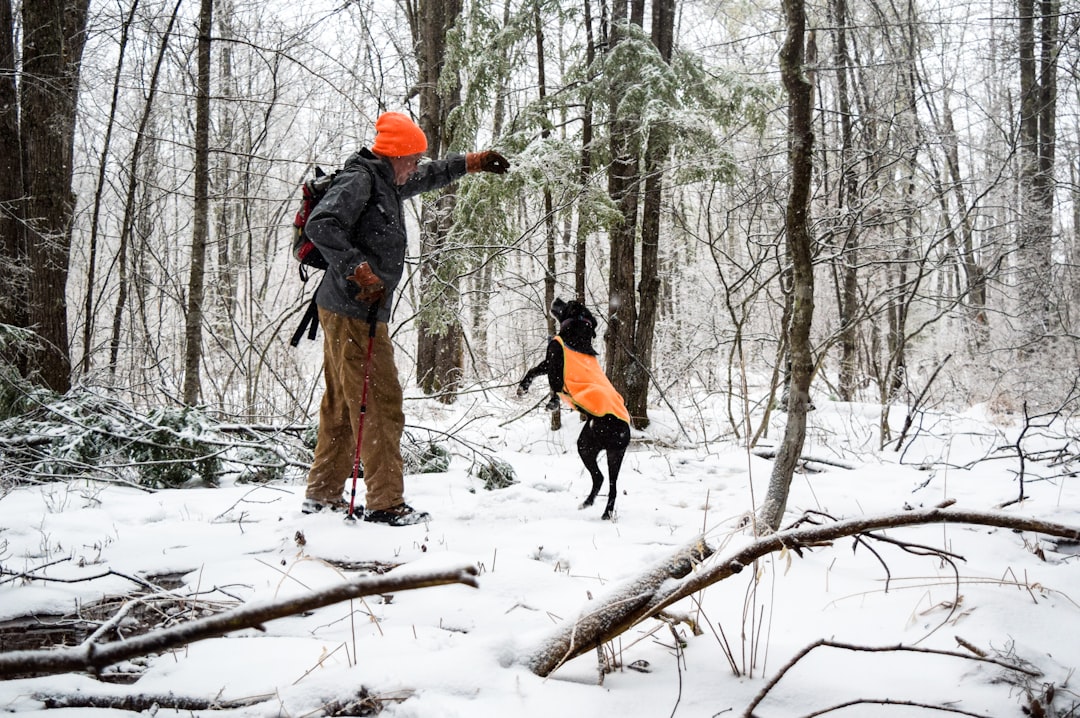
x=400, y=515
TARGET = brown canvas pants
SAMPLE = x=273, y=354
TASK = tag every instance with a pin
x=344, y=352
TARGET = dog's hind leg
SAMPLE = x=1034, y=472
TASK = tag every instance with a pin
x=589, y=451
x=614, y=462
x=618, y=438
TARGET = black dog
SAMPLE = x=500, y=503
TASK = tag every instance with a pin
x=574, y=374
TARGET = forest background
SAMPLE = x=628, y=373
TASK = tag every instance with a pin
x=769, y=208
x=877, y=198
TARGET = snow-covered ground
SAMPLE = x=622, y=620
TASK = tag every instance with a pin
x=459, y=651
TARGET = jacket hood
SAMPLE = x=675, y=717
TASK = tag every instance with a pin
x=379, y=164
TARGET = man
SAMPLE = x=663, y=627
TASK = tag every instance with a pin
x=359, y=227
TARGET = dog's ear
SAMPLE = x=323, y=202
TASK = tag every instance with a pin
x=558, y=309
x=588, y=317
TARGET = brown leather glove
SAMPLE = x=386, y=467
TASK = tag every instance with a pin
x=371, y=287
x=486, y=161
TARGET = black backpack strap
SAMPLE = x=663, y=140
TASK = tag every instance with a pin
x=310, y=322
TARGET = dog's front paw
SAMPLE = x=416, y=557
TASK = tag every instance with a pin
x=553, y=403
x=585, y=504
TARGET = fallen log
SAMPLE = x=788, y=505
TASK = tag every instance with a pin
x=644, y=596
x=592, y=627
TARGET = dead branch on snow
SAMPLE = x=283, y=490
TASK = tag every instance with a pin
x=93, y=656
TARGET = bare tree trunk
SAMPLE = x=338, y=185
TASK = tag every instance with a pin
x=1044, y=182
x=847, y=195
x=439, y=351
x=1038, y=96
x=656, y=155
x=899, y=304
x=624, y=190
x=897, y=312
x=581, y=246
x=1073, y=283
x=633, y=310
x=799, y=245
x=484, y=279
x=227, y=209
x=14, y=268
x=550, y=230
x=54, y=34
x=1049, y=38
x=201, y=219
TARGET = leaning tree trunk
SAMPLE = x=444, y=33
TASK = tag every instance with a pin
x=974, y=272
x=54, y=34
x=439, y=350
x=695, y=566
x=614, y=614
x=127, y=225
x=201, y=212
x=796, y=226
x=90, y=301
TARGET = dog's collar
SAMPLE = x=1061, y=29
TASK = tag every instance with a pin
x=567, y=322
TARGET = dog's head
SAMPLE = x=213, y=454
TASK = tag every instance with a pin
x=572, y=311
x=577, y=326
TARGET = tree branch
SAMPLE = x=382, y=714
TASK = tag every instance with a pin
x=749, y=712
x=91, y=656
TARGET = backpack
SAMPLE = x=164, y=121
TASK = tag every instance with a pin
x=305, y=251
x=303, y=248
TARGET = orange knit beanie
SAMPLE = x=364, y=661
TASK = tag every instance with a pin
x=398, y=136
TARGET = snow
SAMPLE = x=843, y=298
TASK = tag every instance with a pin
x=455, y=651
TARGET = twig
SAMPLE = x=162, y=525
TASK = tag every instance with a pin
x=891, y=702
x=749, y=712
x=917, y=404
x=678, y=666
x=1021, y=457
x=82, y=579
x=528, y=411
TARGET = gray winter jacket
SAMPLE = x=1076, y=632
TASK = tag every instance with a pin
x=361, y=219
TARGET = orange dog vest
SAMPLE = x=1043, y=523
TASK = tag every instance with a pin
x=586, y=387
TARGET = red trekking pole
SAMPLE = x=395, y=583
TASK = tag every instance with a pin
x=358, y=467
